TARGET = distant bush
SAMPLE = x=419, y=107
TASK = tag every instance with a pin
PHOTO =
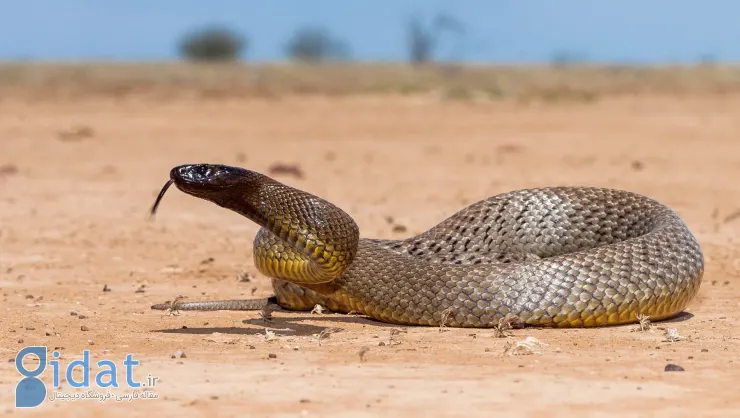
x=212, y=44
x=315, y=45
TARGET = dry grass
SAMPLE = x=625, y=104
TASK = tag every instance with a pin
x=170, y=80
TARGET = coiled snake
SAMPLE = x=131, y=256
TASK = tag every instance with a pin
x=557, y=257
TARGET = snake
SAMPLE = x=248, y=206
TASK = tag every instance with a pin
x=547, y=257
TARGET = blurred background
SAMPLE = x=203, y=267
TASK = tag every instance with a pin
x=629, y=31
x=401, y=39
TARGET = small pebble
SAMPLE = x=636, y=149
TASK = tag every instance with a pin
x=82, y=316
x=106, y=288
x=84, y=328
x=704, y=350
x=673, y=368
x=272, y=355
x=399, y=228
x=73, y=313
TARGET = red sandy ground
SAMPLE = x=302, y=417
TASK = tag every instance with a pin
x=77, y=178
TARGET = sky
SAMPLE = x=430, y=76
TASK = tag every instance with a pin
x=500, y=31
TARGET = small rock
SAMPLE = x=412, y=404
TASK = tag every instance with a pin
x=76, y=133
x=673, y=368
x=399, y=229
x=106, y=288
x=73, y=313
x=704, y=350
x=81, y=316
x=304, y=400
x=272, y=355
x=84, y=328
x=20, y=341
x=289, y=169
x=7, y=169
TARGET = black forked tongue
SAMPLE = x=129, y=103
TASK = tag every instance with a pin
x=160, y=196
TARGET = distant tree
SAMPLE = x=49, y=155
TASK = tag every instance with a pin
x=213, y=43
x=423, y=40
x=314, y=44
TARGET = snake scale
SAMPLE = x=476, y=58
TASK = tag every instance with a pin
x=551, y=257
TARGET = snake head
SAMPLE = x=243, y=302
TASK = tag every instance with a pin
x=198, y=179
x=222, y=184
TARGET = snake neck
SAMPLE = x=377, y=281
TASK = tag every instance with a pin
x=304, y=239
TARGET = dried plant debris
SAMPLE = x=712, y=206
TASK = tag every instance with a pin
x=527, y=346
x=672, y=335
x=172, y=305
x=318, y=309
x=644, y=324
x=505, y=324
x=393, y=338
x=270, y=335
x=327, y=333
x=445, y=318
x=245, y=277
x=362, y=353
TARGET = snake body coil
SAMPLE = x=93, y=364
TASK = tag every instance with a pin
x=560, y=257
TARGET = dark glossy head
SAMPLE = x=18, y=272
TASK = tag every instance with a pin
x=195, y=178
x=218, y=183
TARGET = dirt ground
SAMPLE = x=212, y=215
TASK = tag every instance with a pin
x=81, y=262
